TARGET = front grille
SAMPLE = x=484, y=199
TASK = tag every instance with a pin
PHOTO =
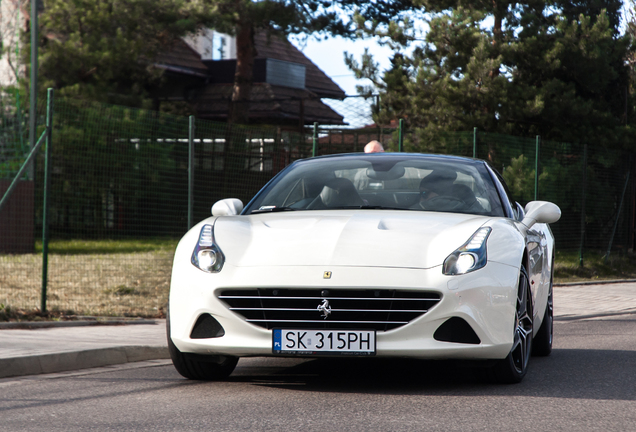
x=379, y=310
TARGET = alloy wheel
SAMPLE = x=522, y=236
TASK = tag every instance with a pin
x=522, y=344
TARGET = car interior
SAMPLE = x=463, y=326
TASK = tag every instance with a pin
x=402, y=186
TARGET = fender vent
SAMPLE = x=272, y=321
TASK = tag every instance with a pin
x=456, y=330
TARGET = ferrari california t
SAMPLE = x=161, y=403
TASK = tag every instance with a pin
x=385, y=255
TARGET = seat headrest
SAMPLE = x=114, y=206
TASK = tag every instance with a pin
x=439, y=181
x=340, y=192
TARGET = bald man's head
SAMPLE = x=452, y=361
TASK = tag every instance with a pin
x=373, y=147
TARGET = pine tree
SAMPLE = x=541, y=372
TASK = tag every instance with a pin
x=104, y=49
x=556, y=69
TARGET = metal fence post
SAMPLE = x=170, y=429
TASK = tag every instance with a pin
x=313, y=151
x=401, y=136
x=47, y=190
x=190, y=169
x=618, y=215
x=33, y=106
x=475, y=142
x=536, y=169
x=583, y=205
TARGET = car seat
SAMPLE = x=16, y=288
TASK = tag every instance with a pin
x=339, y=192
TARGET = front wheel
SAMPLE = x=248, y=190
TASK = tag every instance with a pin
x=199, y=367
x=514, y=367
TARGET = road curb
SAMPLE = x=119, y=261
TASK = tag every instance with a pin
x=595, y=315
x=598, y=282
x=27, y=325
x=74, y=360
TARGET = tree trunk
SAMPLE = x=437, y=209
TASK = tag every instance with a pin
x=234, y=152
x=245, y=53
x=497, y=33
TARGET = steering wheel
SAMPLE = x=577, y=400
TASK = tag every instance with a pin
x=447, y=203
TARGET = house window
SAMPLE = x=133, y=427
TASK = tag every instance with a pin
x=219, y=47
x=285, y=73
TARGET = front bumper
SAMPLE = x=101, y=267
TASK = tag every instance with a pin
x=485, y=299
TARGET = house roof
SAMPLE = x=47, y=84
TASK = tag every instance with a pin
x=268, y=102
x=182, y=58
x=279, y=48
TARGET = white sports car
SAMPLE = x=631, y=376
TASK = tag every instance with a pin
x=385, y=254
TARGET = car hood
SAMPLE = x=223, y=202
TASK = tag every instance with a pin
x=366, y=238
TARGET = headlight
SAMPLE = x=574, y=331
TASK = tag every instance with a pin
x=471, y=256
x=207, y=256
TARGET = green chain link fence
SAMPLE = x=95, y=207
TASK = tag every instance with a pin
x=120, y=201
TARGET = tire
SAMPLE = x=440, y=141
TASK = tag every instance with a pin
x=542, y=344
x=514, y=367
x=199, y=367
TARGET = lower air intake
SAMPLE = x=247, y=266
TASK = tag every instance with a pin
x=456, y=330
x=206, y=327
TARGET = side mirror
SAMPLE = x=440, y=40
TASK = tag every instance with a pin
x=227, y=207
x=541, y=212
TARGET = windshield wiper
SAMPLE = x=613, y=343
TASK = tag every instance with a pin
x=272, y=209
x=369, y=207
x=379, y=207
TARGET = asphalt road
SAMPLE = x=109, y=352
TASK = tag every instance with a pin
x=588, y=384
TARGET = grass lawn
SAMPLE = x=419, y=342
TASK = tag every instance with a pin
x=89, y=277
x=595, y=267
x=90, y=247
x=132, y=277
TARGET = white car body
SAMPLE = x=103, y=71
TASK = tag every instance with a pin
x=365, y=249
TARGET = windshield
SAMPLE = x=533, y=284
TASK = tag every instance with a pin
x=416, y=183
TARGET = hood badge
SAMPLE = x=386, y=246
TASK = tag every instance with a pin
x=326, y=275
x=324, y=308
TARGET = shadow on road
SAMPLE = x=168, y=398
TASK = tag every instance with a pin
x=567, y=373
x=592, y=359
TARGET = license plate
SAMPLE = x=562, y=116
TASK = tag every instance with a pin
x=323, y=342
